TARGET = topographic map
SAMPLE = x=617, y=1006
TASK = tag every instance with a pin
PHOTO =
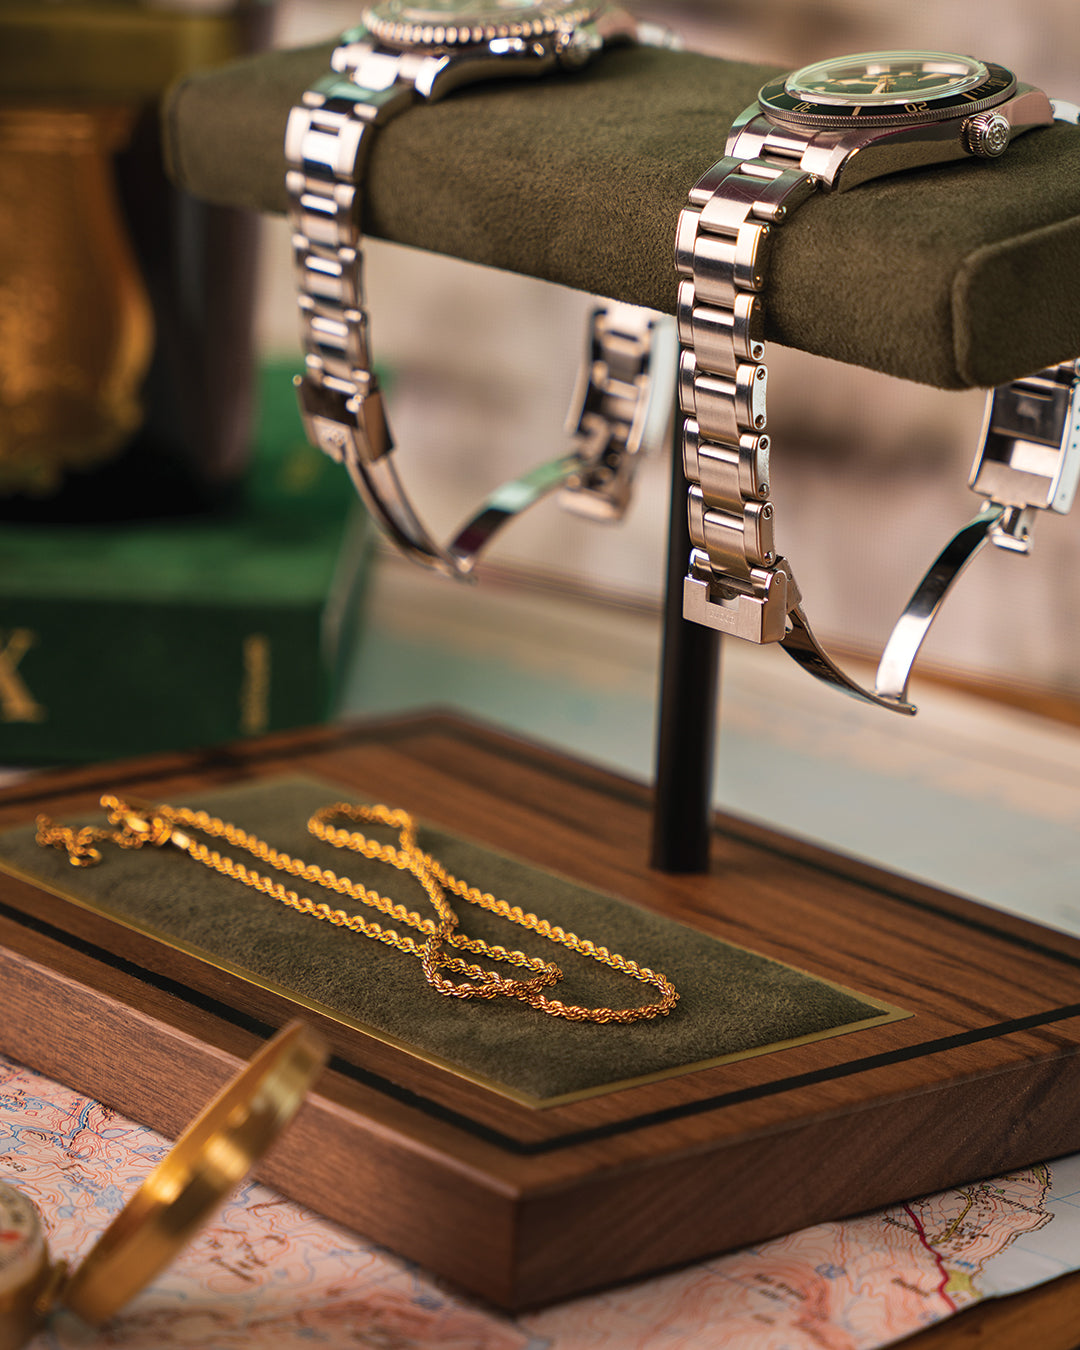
x=269, y=1273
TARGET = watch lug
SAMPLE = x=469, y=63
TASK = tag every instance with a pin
x=501, y=58
x=1028, y=108
x=843, y=159
x=614, y=25
x=431, y=76
x=849, y=161
x=747, y=134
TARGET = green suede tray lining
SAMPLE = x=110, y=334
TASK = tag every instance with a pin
x=734, y=1003
x=963, y=275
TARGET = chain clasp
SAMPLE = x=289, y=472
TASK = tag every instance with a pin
x=137, y=823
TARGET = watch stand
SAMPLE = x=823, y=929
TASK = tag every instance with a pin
x=526, y=1201
x=622, y=141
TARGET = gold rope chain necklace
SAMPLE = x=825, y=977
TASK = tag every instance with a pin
x=135, y=825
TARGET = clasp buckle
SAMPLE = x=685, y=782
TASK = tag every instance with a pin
x=346, y=424
x=756, y=611
x=139, y=822
x=1029, y=456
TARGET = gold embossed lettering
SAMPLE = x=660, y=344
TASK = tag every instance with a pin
x=17, y=704
x=255, y=687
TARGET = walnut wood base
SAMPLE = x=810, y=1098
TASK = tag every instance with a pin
x=528, y=1206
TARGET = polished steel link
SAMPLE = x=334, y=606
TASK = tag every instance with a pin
x=720, y=337
x=326, y=142
x=789, y=143
x=718, y=470
x=721, y=392
x=727, y=473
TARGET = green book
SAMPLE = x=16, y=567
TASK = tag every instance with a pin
x=122, y=639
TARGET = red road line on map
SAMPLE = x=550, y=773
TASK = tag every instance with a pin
x=937, y=1259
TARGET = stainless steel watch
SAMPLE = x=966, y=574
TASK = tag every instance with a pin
x=827, y=127
x=402, y=53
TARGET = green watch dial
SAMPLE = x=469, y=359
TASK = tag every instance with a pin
x=883, y=78
x=883, y=87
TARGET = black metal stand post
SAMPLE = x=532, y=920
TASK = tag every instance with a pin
x=689, y=682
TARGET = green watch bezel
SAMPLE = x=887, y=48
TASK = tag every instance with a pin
x=783, y=98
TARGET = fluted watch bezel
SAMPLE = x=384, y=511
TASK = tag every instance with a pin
x=400, y=24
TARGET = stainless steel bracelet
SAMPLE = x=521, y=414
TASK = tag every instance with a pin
x=620, y=410
x=326, y=145
x=736, y=582
x=1027, y=460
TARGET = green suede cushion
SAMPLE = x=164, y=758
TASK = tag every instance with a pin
x=963, y=275
x=733, y=1002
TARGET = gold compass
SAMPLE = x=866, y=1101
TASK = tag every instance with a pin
x=208, y=1161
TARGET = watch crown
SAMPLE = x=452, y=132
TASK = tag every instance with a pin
x=577, y=45
x=987, y=134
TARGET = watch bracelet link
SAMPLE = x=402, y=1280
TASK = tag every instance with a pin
x=326, y=145
x=625, y=378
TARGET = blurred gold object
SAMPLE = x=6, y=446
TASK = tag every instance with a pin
x=80, y=81
x=76, y=331
x=209, y=1160
x=25, y=1271
x=116, y=51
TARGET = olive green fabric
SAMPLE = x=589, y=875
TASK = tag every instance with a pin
x=963, y=275
x=733, y=1002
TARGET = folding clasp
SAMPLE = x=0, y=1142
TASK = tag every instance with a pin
x=756, y=611
x=1029, y=456
x=345, y=424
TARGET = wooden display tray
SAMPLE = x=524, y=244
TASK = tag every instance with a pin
x=526, y=1206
